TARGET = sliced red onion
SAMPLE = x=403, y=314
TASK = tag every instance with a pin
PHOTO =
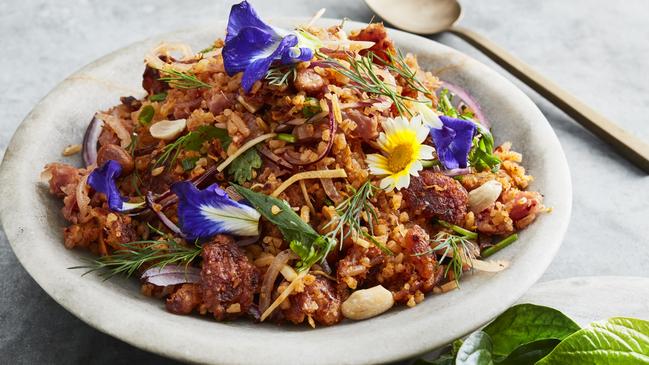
x=333, y=127
x=163, y=218
x=171, y=275
x=465, y=97
x=330, y=190
x=273, y=157
x=90, y=140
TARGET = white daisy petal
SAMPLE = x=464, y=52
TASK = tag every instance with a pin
x=403, y=181
x=387, y=183
x=415, y=167
x=426, y=152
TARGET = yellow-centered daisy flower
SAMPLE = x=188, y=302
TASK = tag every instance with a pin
x=402, y=148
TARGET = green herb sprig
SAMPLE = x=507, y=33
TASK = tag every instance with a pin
x=310, y=246
x=456, y=248
x=183, y=80
x=363, y=77
x=280, y=75
x=138, y=253
x=192, y=141
x=349, y=213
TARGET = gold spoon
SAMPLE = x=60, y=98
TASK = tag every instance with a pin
x=435, y=16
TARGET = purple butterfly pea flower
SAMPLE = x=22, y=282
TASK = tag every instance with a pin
x=251, y=46
x=102, y=179
x=205, y=213
x=453, y=141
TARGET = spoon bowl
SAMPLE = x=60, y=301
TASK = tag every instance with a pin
x=418, y=16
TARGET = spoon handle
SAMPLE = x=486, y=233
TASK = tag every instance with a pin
x=626, y=144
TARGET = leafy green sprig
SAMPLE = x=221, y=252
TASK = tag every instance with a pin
x=363, y=76
x=192, y=141
x=350, y=212
x=454, y=247
x=280, y=75
x=481, y=157
x=183, y=80
x=138, y=253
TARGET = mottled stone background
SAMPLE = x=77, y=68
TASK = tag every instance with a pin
x=596, y=49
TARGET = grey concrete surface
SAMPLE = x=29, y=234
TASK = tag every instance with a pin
x=596, y=49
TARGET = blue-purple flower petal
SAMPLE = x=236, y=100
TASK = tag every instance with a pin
x=251, y=46
x=208, y=212
x=257, y=69
x=242, y=15
x=102, y=179
x=453, y=141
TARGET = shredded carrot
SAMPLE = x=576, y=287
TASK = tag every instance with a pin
x=319, y=174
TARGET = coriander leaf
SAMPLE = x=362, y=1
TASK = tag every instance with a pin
x=475, y=350
x=525, y=323
x=241, y=167
x=530, y=353
x=146, y=115
x=619, y=341
x=158, y=97
x=189, y=163
x=205, y=133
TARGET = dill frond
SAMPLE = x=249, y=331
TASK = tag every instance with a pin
x=183, y=80
x=138, y=253
x=279, y=76
x=362, y=75
x=350, y=211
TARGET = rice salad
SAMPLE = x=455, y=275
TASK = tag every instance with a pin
x=296, y=176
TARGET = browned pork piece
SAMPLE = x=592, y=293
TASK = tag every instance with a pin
x=229, y=280
x=435, y=195
x=319, y=301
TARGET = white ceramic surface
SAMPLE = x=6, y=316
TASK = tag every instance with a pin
x=33, y=226
x=593, y=298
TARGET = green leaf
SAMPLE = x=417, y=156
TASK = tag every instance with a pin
x=189, y=163
x=476, y=350
x=204, y=133
x=619, y=341
x=287, y=221
x=530, y=353
x=304, y=240
x=158, y=97
x=241, y=167
x=146, y=115
x=525, y=323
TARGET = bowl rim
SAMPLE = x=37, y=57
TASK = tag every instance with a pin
x=410, y=338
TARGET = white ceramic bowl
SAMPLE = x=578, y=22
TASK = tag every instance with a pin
x=33, y=225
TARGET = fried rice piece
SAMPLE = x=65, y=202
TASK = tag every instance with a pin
x=414, y=271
